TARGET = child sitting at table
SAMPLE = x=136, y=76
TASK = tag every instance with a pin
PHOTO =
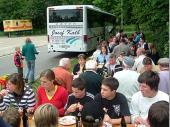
x=78, y=98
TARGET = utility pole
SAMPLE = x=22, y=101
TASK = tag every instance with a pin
x=121, y=14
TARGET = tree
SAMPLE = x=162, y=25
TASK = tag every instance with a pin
x=153, y=15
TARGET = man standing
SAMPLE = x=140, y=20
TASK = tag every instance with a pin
x=114, y=103
x=122, y=47
x=148, y=94
x=62, y=74
x=29, y=51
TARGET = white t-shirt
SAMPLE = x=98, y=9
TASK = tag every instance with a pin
x=138, y=65
x=140, y=105
x=128, y=83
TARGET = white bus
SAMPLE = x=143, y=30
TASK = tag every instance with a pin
x=77, y=28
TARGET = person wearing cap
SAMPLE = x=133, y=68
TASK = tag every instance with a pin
x=148, y=94
x=164, y=74
x=128, y=79
x=78, y=97
x=92, y=78
x=113, y=103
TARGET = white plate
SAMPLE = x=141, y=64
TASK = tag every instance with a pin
x=106, y=124
x=141, y=125
x=67, y=120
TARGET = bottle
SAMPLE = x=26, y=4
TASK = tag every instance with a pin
x=78, y=120
x=123, y=122
x=25, y=118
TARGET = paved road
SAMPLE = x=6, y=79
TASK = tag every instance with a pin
x=7, y=45
x=44, y=60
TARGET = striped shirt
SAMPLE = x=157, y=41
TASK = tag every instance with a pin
x=27, y=100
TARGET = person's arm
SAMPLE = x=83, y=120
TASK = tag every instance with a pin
x=115, y=121
x=135, y=111
x=71, y=108
x=124, y=110
x=35, y=50
x=23, y=51
x=68, y=104
x=4, y=101
x=31, y=102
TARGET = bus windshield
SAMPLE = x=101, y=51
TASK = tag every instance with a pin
x=66, y=15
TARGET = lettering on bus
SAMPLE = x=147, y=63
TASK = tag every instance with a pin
x=72, y=32
x=54, y=32
x=69, y=32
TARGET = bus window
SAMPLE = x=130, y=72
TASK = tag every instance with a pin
x=66, y=15
x=94, y=19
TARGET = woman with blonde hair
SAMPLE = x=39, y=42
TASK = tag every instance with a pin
x=46, y=115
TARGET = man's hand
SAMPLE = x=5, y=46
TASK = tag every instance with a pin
x=72, y=108
x=79, y=106
x=139, y=120
x=107, y=118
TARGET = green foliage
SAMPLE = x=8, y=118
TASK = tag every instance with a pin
x=153, y=15
x=147, y=15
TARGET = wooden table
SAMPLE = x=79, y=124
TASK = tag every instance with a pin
x=31, y=124
x=128, y=125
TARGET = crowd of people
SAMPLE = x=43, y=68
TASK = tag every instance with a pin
x=124, y=78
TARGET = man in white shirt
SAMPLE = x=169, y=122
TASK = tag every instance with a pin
x=128, y=79
x=138, y=65
x=148, y=94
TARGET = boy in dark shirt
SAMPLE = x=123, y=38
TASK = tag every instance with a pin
x=114, y=104
x=78, y=98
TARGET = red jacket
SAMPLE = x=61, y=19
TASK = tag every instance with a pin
x=18, y=60
x=58, y=100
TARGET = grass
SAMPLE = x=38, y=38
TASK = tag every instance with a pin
x=37, y=81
